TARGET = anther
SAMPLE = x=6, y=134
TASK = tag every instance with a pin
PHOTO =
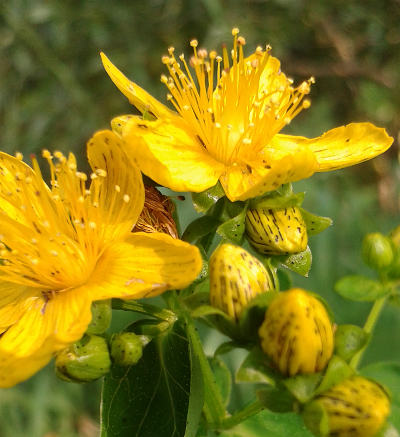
x=19, y=156
x=81, y=175
x=165, y=59
x=102, y=173
x=126, y=198
x=194, y=43
x=46, y=154
x=306, y=103
x=241, y=41
x=235, y=31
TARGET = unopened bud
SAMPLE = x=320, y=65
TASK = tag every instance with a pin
x=101, y=317
x=236, y=277
x=377, y=251
x=297, y=333
x=126, y=348
x=84, y=361
x=356, y=407
x=276, y=231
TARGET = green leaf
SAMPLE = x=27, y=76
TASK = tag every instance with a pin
x=267, y=423
x=207, y=310
x=359, y=288
x=223, y=378
x=256, y=368
x=387, y=374
x=233, y=229
x=337, y=371
x=151, y=398
x=199, y=228
x=315, y=223
x=298, y=262
x=303, y=387
x=349, y=339
x=275, y=399
x=226, y=347
x=388, y=431
x=206, y=199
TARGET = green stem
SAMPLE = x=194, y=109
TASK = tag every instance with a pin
x=151, y=310
x=238, y=417
x=368, y=328
x=214, y=409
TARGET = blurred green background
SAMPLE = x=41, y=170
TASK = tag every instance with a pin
x=55, y=94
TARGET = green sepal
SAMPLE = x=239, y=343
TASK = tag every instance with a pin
x=233, y=229
x=315, y=223
x=316, y=419
x=208, y=310
x=284, y=279
x=298, y=262
x=203, y=201
x=253, y=314
x=388, y=430
x=150, y=327
x=226, y=347
x=101, y=317
x=349, y=339
x=360, y=289
x=303, y=387
x=257, y=368
x=276, y=200
x=223, y=377
x=200, y=227
x=278, y=400
x=336, y=372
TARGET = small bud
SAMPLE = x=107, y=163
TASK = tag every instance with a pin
x=84, y=361
x=236, y=277
x=377, y=251
x=101, y=317
x=126, y=348
x=356, y=407
x=276, y=231
x=297, y=333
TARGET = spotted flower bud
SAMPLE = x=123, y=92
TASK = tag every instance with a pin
x=377, y=251
x=276, y=231
x=84, y=361
x=236, y=277
x=126, y=348
x=101, y=317
x=297, y=333
x=357, y=407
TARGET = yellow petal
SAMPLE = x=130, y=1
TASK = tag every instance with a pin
x=47, y=326
x=168, y=153
x=145, y=265
x=246, y=181
x=344, y=145
x=121, y=192
x=137, y=96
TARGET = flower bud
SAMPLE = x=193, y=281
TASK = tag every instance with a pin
x=101, y=317
x=297, y=333
x=276, y=231
x=126, y=348
x=377, y=251
x=356, y=407
x=236, y=277
x=84, y=361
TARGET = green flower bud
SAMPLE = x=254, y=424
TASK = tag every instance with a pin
x=84, y=361
x=236, y=277
x=377, y=251
x=276, y=231
x=101, y=317
x=297, y=333
x=126, y=348
x=357, y=407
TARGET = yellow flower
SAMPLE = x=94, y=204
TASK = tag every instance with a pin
x=227, y=124
x=69, y=244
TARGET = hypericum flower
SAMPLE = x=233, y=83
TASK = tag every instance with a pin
x=297, y=333
x=236, y=277
x=70, y=243
x=227, y=124
x=356, y=407
x=276, y=231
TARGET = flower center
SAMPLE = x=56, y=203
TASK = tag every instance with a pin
x=50, y=235
x=252, y=100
